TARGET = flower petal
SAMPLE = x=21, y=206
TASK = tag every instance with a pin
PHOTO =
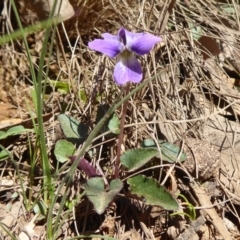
x=109, y=36
x=127, y=70
x=109, y=46
x=122, y=35
x=128, y=37
x=142, y=44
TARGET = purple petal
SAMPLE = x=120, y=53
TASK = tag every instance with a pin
x=109, y=36
x=128, y=38
x=109, y=45
x=127, y=70
x=122, y=35
x=143, y=44
x=139, y=43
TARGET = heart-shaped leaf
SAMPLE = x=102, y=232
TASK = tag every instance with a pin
x=152, y=192
x=73, y=130
x=169, y=151
x=69, y=126
x=99, y=197
x=63, y=149
x=136, y=158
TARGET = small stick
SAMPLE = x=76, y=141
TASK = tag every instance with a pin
x=217, y=222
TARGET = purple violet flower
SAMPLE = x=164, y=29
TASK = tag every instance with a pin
x=124, y=45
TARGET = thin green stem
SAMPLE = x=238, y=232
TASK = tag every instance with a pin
x=18, y=34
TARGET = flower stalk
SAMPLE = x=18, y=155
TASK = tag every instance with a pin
x=120, y=137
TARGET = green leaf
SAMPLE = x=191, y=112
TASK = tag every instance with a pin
x=4, y=155
x=14, y=131
x=114, y=124
x=228, y=8
x=70, y=203
x=1, y=133
x=133, y=159
x=63, y=149
x=73, y=130
x=40, y=207
x=169, y=151
x=148, y=143
x=99, y=197
x=152, y=192
x=14, y=195
x=196, y=31
x=82, y=96
x=62, y=87
x=69, y=126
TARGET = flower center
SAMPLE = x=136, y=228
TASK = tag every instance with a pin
x=126, y=53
